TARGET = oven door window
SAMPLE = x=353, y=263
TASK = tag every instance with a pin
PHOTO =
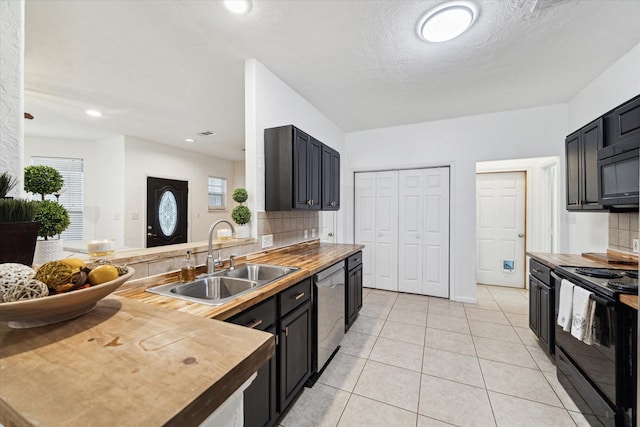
x=597, y=361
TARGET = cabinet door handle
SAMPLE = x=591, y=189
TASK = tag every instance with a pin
x=253, y=323
x=298, y=296
x=286, y=331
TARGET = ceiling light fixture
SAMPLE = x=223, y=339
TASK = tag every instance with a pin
x=93, y=113
x=189, y=140
x=239, y=7
x=447, y=21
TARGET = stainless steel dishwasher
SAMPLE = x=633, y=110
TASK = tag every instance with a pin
x=329, y=290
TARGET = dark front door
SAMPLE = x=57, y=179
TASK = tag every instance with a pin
x=166, y=211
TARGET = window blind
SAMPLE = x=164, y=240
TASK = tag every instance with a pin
x=217, y=193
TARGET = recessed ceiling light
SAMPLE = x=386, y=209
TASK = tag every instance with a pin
x=93, y=113
x=447, y=21
x=239, y=7
x=189, y=140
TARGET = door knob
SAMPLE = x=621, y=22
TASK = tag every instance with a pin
x=152, y=235
x=520, y=235
x=330, y=234
x=417, y=236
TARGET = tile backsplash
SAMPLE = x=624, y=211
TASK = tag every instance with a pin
x=288, y=227
x=623, y=228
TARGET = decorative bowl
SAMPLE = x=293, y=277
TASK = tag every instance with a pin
x=57, y=308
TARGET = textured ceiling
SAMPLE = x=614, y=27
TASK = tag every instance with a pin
x=167, y=70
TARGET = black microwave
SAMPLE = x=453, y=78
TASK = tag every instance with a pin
x=619, y=180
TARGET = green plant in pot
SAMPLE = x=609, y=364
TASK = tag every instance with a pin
x=7, y=183
x=18, y=229
x=52, y=216
x=241, y=214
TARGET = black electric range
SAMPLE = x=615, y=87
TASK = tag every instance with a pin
x=599, y=376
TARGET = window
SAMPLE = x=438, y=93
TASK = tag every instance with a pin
x=217, y=193
x=72, y=194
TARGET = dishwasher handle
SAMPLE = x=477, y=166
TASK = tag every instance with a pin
x=328, y=272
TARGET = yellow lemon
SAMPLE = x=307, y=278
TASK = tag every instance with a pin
x=73, y=262
x=102, y=274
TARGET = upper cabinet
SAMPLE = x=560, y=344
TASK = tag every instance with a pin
x=582, y=167
x=621, y=129
x=300, y=171
x=330, y=179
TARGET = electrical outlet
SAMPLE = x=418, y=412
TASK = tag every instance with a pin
x=313, y=233
x=636, y=247
x=267, y=241
x=306, y=234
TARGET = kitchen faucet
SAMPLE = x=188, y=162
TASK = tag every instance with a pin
x=211, y=263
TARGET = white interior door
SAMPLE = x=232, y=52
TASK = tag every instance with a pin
x=386, y=248
x=365, y=223
x=328, y=227
x=500, y=228
x=424, y=231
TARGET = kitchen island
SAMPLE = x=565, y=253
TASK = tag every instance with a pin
x=144, y=359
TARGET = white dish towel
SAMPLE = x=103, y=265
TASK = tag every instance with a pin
x=565, y=305
x=582, y=309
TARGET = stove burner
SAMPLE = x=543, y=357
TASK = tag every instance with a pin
x=598, y=272
x=631, y=273
x=630, y=287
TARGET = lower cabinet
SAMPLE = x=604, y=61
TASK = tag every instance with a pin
x=288, y=316
x=353, y=289
x=542, y=305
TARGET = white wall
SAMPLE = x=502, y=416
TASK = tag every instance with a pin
x=12, y=90
x=585, y=231
x=103, y=178
x=461, y=142
x=269, y=102
x=144, y=159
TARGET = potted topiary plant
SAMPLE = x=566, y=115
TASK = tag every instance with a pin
x=241, y=214
x=18, y=229
x=52, y=216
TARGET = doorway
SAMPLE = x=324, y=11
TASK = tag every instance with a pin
x=166, y=211
x=500, y=228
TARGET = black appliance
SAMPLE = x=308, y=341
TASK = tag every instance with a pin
x=598, y=377
x=618, y=179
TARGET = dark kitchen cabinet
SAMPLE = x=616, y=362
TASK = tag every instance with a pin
x=542, y=304
x=293, y=161
x=582, y=167
x=353, y=289
x=295, y=352
x=260, y=398
x=621, y=129
x=330, y=179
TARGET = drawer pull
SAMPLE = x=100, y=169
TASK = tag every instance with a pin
x=254, y=323
x=356, y=260
x=298, y=296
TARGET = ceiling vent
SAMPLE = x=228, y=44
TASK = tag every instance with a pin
x=206, y=133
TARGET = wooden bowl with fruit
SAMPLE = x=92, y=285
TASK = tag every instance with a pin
x=57, y=291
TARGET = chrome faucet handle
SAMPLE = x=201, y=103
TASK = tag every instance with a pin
x=232, y=262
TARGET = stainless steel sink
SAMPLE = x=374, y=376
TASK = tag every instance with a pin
x=261, y=273
x=225, y=285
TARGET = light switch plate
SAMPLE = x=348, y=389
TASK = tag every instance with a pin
x=313, y=233
x=306, y=234
x=267, y=241
x=636, y=247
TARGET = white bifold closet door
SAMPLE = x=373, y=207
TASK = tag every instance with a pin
x=376, y=208
x=402, y=218
x=424, y=232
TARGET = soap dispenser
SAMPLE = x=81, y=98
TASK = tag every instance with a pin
x=188, y=270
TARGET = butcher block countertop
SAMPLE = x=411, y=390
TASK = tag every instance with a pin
x=124, y=363
x=310, y=257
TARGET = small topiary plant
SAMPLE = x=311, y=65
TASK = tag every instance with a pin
x=52, y=219
x=42, y=180
x=240, y=195
x=241, y=215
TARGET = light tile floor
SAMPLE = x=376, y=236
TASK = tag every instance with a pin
x=412, y=360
